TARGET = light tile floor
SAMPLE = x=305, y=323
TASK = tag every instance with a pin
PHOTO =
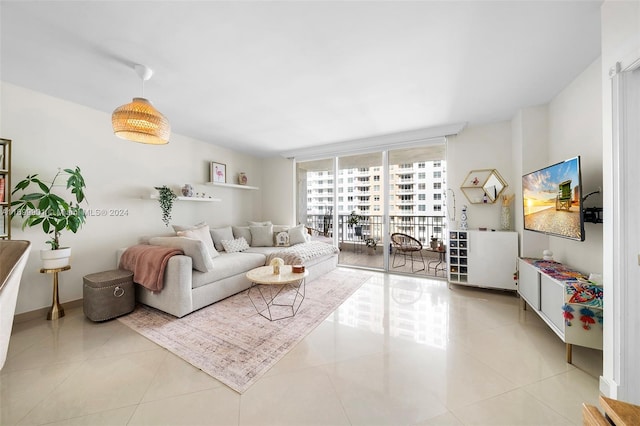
x=401, y=351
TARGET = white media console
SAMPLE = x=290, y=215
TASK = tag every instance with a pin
x=564, y=299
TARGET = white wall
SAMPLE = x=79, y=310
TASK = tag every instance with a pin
x=48, y=133
x=530, y=128
x=546, y=134
x=575, y=128
x=480, y=147
x=278, y=190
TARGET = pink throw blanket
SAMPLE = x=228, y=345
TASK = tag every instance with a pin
x=148, y=263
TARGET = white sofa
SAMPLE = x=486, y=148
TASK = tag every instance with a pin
x=13, y=258
x=186, y=289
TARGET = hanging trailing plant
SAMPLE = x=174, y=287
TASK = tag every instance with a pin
x=166, y=198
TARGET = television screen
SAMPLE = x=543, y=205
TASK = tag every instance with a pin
x=552, y=200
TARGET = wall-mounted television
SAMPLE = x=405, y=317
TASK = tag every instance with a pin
x=552, y=200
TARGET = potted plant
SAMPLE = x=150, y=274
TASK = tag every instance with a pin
x=53, y=213
x=166, y=198
x=354, y=218
x=354, y=221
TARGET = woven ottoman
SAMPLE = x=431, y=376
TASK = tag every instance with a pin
x=108, y=294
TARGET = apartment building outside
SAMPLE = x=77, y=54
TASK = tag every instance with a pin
x=416, y=198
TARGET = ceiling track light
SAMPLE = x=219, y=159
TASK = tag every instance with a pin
x=139, y=121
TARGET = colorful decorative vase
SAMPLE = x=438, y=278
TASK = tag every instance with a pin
x=242, y=178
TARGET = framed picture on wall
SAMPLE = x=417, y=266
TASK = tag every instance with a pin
x=218, y=172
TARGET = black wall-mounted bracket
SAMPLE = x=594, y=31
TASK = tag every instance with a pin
x=592, y=214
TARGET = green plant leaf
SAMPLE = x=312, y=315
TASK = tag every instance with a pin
x=33, y=196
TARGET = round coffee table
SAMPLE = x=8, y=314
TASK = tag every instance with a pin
x=278, y=292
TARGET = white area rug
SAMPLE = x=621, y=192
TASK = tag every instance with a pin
x=231, y=342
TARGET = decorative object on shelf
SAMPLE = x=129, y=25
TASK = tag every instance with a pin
x=505, y=212
x=139, y=121
x=218, y=172
x=463, y=219
x=242, y=178
x=483, y=186
x=187, y=190
x=547, y=255
x=52, y=212
x=166, y=197
x=276, y=263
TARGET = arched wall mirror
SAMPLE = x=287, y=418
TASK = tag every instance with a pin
x=483, y=186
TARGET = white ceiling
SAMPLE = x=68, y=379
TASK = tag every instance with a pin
x=266, y=77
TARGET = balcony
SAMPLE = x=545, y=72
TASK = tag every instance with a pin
x=354, y=252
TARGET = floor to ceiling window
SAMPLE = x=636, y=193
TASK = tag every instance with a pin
x=360, y=206
x=358, y=201
x=417, y=188
x=315, y=200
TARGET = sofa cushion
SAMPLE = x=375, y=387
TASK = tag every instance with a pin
x=281, y=239
x=261, y=236
x=233, y=246
x=242, y=231
x=178, y=228
x=219, y=234
x=195, y=249
x=280, y=228
x=227, y=265
x=201, y=233
x=297, y=235
x=265, y=223
x=263, y=250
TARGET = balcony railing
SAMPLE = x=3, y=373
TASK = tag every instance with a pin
x=419, y=227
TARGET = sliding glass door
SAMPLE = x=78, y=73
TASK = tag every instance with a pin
x=360, y=205
x=359, y=201
x=417, y=188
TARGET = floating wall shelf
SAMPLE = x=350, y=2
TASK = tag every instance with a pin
x=232, y=185
x=202, y=199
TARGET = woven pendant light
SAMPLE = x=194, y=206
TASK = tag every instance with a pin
x=139, y=121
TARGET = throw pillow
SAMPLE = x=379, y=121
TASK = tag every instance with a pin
x=265, y=223
x=219, y=234
x=261, y=236
x=178, y=228
x=242, y=231
x=232, y=246
x=280, y=228
x=201, y=233
x=195, y=249
x=282, y=239
x=297, y=235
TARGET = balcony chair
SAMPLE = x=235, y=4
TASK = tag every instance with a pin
x=406, y=246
